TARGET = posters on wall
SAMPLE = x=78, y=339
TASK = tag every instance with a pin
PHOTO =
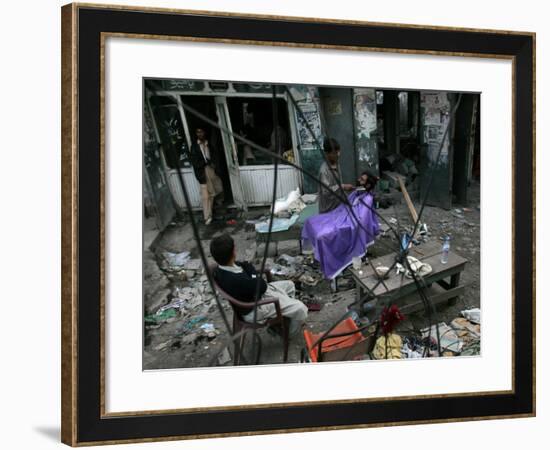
x=364, y=110
x=436, y=115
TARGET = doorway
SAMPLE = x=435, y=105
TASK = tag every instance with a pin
x=252, y=117
x=207, y=106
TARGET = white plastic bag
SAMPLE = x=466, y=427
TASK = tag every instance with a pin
x=473, y=315
x=282, y=205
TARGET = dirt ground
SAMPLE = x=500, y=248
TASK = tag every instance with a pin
x=180, y=342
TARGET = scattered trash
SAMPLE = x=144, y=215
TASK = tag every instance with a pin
x=209, y=329
x=280, y=271
x=190, y=338
x=464, y=327
x=163, y=316
x=192, y=264
x=311, y=303
x=195, y=312
x=448, y=339
x=176, y=261
x=309, y=280
x=163, y=345
x=192, y=322
x=283, y=204
x=473, y=315
x=286, y=260
x=458, y=213
x=472, y=349
x=423, y=229
x=224, y=357
x=412, y=348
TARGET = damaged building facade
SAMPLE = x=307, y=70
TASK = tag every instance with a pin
x=388, y=132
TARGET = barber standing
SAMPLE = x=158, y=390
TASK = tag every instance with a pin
x=204, y=158
x=330, y=175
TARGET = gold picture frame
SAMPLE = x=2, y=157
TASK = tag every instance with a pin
x=84, y=418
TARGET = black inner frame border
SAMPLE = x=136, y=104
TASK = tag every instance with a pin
x=91, y=427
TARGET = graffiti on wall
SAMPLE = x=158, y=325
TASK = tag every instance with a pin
x=313, y=120
x=307, y=119
x=436, y=116
x=364, y=110
x=307, y=98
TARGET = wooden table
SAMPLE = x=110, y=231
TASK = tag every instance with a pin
x=399, y=289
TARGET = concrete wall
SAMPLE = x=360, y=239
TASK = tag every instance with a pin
x=366, y=146
x=338, y=120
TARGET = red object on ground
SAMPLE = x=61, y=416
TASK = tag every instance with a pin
x=312, y=305
x=389, y=318
x=330, y=344
x=231, y=222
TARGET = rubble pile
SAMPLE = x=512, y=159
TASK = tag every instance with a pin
x=461, y=337
x=302, y=269
x=187, y=316
x=184, y=328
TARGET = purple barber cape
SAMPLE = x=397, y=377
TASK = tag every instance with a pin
x=336, y=237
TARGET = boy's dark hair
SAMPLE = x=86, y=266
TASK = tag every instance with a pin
x=330, y=144
x=221, y=248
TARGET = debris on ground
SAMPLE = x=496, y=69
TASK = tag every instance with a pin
x=311, y=302
x=286, y=260
x=283, y=204
x=224, y=357
x=472, y=349
x=209, y=330
x=163, y=316
x=412, y=347
x=473, y=315
x=174, y=262
x=308, y=280
x=176, y=287
x=448, y=339
x=465, y=329
x=193, y=264
x=189, y=324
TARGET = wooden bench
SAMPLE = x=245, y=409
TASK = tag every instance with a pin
x=400, y=290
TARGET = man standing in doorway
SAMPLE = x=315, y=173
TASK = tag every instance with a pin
x=330, y=175
x=205, y=161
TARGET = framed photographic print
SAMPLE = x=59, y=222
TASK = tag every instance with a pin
x=282, y=224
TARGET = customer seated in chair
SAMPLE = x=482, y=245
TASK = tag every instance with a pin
x=239, y=279
x=345, y=232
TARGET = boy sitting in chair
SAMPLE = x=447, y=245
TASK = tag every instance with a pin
x=239, y=279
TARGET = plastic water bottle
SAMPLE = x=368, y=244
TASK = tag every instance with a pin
x=445, y=250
